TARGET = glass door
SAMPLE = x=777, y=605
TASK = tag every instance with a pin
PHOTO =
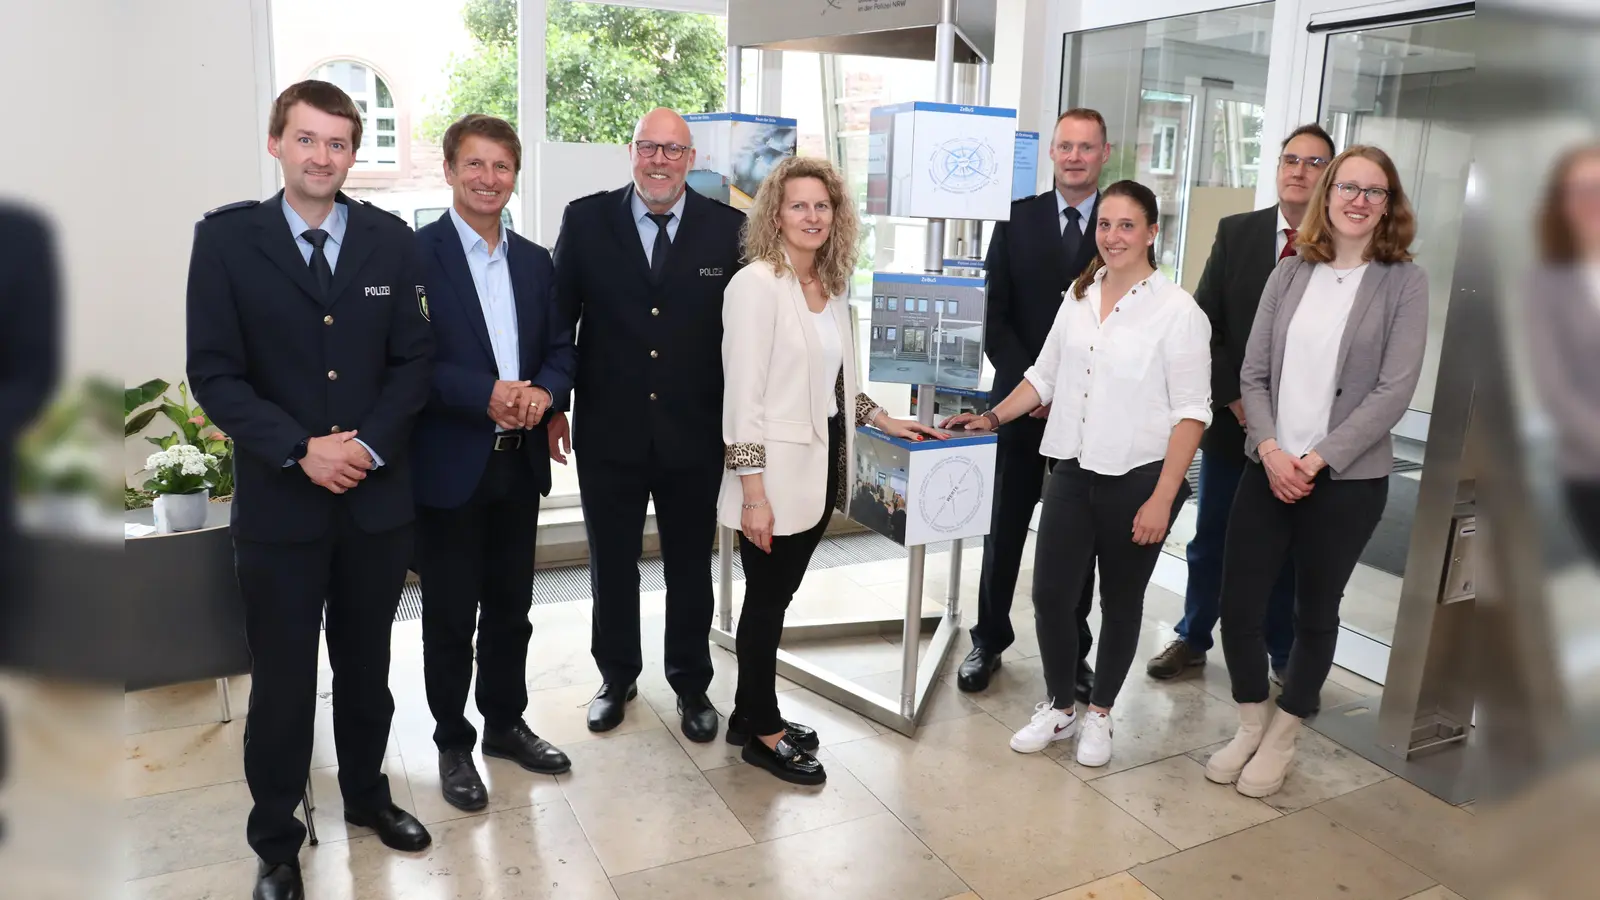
x=1404, y=87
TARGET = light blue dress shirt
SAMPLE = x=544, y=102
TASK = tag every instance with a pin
x=647, y=228
x=334, y=225
x=1085, y=210
x=491, y=276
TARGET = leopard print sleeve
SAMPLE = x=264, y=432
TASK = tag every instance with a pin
x=742, y=456
x=866, y=410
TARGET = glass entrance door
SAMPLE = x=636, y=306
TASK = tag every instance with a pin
x=1403, y=87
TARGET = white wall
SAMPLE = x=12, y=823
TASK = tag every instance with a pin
x=569, y=171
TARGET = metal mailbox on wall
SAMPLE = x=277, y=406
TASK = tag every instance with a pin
x=898, y=28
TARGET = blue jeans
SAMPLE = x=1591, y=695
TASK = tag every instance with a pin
x=1202, y=602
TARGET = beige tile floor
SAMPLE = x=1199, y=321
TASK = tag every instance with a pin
x=952, y=814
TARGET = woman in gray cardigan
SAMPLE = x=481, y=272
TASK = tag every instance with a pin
x=1331, y=365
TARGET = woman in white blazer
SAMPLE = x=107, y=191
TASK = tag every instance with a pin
x=789, y=360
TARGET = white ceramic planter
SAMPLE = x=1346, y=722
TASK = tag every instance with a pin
x=181, y=512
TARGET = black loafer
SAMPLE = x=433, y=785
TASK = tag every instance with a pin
x=787, y=761
x=278, y=882
x=975, y=670
x=396, y=828
x=607, y=708
x=520, y=745
x=459, y=781
x=1085, y=685
x=699, y=718
x=803, y=736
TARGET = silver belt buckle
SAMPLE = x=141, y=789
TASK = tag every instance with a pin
x=507, y=440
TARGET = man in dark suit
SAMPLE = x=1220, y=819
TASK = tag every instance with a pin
x=30, y=317
x=307, y=345
x=644, y=268
x=503, y=351
x=1246, y=249
x=1032, y=259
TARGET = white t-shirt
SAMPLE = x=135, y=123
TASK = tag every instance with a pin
x=832, y=350
x=1311, y=358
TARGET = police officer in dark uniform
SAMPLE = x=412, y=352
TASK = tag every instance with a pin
x=308, y=344
x=643, y=269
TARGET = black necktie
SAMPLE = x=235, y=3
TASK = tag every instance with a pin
x=1072, y=235
x=658, y=253
x=316, y=237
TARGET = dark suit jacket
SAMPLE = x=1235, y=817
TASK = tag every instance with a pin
x=454, y=434
x=272, y=362
x=649, y=355
x=30, y=316
x=1026, y=273
x=1242, y=258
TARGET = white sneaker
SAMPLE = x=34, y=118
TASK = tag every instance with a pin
x=1049, y=725
x=1094, y=745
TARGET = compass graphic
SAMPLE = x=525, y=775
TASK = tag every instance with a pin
x=963, y=165
x=951, y=494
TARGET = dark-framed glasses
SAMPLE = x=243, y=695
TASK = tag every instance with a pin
x=1375, y=195
x=648, y=149
x=1314, y=163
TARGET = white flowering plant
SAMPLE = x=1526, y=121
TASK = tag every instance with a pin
x=181, y=469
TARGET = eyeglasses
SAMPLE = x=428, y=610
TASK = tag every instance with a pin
x=1375, y=196
x=1291, y=160
x=647, y=149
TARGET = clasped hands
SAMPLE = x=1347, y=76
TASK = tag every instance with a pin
x=1290, y=477
x=337, y=462
x=515, y=405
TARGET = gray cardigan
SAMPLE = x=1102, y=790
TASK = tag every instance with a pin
x=1380, y=361
x=1563, y=324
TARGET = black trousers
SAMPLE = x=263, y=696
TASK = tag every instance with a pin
x=476, y=566
x=1018, y=479
x=770, y=581
x=354, y=579
x=614, y=497
x=1583, y=504
x=1088, y=518
x=1323, y=534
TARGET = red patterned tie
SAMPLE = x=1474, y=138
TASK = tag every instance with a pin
x=1288, y=247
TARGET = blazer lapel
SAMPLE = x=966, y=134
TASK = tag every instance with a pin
x=797, y=302
x=526, y=296
x=627, y=231
x=1370, y=282
x=1262, y=232
x=1280, y=322
x=453, y=261
x=359, y=240
x=279, y=246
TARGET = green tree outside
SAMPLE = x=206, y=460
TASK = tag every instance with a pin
x=606, y=66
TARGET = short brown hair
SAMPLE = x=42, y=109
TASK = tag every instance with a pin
x=490, y=127
x=1084, y=113
x=1390, y=241
x=320, y=95
x=1557, y=243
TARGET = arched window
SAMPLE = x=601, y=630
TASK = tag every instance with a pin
x=380, y=145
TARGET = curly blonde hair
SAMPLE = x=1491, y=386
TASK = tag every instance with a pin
x=763, y=241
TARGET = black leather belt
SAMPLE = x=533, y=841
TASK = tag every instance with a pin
x=508, y=440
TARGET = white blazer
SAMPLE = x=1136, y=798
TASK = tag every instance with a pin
x=775, y=402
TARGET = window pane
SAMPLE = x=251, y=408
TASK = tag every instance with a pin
x=608, y=65
x=386, y=140
x=385, y=99
x=385, y=125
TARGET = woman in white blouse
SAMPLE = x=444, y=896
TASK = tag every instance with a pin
x=1333, y=360
x=789, y=360
x=1126, y=372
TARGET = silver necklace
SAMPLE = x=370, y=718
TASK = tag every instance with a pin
x=1340, y=278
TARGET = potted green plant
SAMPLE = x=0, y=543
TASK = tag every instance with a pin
x=181, y=478
x=194, y=428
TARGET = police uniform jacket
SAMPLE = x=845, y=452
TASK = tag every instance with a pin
x=273, y=361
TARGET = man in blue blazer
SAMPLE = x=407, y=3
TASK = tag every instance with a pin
x=481, y=456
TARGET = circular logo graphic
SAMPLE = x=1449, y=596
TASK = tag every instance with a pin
x=963, y=165
x=951, y=494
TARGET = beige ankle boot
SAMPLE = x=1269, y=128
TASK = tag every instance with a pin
x=1263, y=775
x=1226, y=764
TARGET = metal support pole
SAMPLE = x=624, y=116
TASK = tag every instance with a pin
x=227, y=701
x=725, y=542
x=735, y=78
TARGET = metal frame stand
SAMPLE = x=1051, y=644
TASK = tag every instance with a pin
x=916, y=680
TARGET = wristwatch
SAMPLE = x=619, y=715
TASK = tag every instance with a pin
x=300, y=449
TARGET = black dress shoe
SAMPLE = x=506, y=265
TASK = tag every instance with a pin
x=396, y=828
x=278, y=882
x=975, y=670
x=787, y=761
x=1085, y=685
x=520, y=745
x=699, y=718
x=607, y=707
x=803, y=736
x=459, y=781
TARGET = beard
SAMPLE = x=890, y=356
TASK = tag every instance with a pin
x=658, y=191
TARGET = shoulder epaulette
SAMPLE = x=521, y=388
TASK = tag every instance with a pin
x=396, y=216
x=590, y=196
x=1024, y=199
x=242, y=204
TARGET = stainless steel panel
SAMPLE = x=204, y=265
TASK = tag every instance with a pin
x=897, y=28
